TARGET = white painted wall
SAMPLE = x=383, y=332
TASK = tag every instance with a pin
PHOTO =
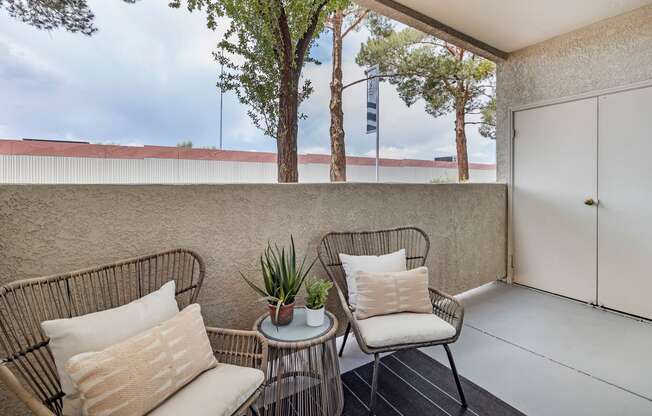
x=17, y=169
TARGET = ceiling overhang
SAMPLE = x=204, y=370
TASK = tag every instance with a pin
x=427, y=24
x=494, y=29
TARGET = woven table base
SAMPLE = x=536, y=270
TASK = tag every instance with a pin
x=303, y=377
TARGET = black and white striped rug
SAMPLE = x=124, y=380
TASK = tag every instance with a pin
x=410, y=383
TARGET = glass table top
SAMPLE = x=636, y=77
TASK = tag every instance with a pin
x=297, y=330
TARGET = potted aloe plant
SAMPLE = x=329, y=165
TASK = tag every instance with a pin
x=316, y=296
x=282, y=280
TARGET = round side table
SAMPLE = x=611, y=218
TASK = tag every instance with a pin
x=303, y=374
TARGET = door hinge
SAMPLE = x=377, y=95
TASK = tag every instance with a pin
x=511, y=261
x=514, y=134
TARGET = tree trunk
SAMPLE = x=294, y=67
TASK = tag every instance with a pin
x=338, y=152
x=291, y=59
x=286, y=137
x=460, y=143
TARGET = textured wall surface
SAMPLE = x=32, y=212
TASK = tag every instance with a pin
x=51, y=229
x=612, y=53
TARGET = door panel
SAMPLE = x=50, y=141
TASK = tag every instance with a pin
x=554, y=172
x=625, y=213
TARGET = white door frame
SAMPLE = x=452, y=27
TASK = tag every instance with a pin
x=510, y=152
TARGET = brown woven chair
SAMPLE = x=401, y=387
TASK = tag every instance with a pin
x=28, y=368
x=416, y=244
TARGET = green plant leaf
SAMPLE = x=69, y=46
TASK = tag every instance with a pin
x=254, y=287
x=317, y=293
x=281, y=278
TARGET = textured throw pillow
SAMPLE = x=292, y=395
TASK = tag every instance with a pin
x=96, y=331
x=392, y=262
x=135, y=375
x=386, y=293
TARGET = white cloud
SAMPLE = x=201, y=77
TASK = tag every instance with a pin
x=446, y=150
x=148, y=77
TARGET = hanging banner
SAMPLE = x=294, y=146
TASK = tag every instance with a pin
x=372, y=99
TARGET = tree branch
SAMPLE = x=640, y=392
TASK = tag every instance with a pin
x=381, y=76
x=356, y=22
x=285, y=38
x=450, y=49
x=438, y=44
x=449, y=87
x=304, y=42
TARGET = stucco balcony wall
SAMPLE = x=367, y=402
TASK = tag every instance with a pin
x=48, y=229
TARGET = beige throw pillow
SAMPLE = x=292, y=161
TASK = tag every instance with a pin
x=134, y=376
x=99, y=330
x=386, y=293
x=392, y=262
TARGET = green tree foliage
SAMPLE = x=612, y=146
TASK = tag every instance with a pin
x=264, y=50
x=448, y=78
x=488, y=126
x=186, y=144
x=72, y=15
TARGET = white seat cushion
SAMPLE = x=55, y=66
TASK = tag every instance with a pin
x=216, y=392
x=403, y=328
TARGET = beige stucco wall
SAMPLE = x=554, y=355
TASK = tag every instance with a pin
x=612, y=53
x=50, y=229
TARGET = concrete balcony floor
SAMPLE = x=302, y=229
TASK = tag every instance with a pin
x=547, y=355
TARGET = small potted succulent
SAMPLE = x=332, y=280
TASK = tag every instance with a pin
x=282, y=280
x=316, y=296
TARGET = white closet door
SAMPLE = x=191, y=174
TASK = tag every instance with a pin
x=554, y=172
x=625, y=213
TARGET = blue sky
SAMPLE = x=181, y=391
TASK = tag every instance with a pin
x=148, y=77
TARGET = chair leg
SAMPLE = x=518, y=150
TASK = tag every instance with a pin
x=346, y=336
x=374, y=386
x=455, y=375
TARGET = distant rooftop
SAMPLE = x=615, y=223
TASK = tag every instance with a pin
x=59, y=148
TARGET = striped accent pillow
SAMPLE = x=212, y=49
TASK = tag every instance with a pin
x=386, y=293
x=135, y=375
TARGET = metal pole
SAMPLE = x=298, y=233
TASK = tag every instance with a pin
x=221, y=102
x=378, y=134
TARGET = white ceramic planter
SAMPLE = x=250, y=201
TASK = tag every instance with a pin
x=315, y=317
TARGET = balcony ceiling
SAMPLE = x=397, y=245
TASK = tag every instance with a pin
x=510, y=25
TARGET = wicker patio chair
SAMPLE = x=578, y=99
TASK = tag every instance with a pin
x=28, y=368
x=416, y=244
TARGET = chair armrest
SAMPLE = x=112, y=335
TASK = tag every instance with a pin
x=16, y=387
x=447, y=308
x=348, y=310
x=243, y=348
